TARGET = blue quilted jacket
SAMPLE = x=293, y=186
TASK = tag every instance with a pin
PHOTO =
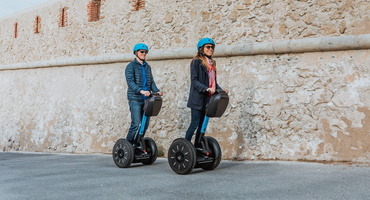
x=134, y=80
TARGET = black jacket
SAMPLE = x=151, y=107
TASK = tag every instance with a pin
x=134, y=80
x=198, y=97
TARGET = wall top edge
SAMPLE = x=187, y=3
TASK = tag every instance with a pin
x=353, y=42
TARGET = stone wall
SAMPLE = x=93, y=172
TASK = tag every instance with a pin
x=169, y=24
x=290, y=106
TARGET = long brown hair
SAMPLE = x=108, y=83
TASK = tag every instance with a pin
x=203, y=58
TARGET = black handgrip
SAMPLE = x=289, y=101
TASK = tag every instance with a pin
x=220, y=91
x=154, y=94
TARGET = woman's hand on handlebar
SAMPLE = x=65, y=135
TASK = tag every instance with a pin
x=211, y=90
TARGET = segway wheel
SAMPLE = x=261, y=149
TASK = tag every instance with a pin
x=123, y=153
x=182, y=156
x=151, y=149
x=215, y=153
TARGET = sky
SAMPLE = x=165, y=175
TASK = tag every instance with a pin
x=8, y=7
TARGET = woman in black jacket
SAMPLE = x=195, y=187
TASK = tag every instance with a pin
x=203, y=85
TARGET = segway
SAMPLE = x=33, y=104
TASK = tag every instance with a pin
x=183, y=156
x=143, y=149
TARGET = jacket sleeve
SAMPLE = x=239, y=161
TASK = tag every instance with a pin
x=195, y=68
x=154, y=87
x=130, y=78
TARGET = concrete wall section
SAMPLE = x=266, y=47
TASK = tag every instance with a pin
x=310, y=106
x=62, y=109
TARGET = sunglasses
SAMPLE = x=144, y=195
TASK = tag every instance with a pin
x=209, y=47
x=143, y=52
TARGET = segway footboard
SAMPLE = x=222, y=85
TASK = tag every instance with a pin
x=214, y=158
x=151, y=150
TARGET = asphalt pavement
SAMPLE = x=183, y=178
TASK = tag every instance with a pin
x=75, y=176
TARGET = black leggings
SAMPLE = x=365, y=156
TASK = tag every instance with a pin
x=197, y=117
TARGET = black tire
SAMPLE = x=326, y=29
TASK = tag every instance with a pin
x=123, y=153
x=215, y=153
x=182, y=156
x=151, y=149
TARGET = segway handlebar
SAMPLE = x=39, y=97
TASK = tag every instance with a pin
x=220, y=91
x=154, y=94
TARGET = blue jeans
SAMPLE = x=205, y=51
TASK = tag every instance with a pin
x=136, y=109
x=197, y=117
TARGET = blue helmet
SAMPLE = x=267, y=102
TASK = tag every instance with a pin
x=139, y=46
x=204, y=41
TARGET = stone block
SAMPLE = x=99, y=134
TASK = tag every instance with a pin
x=168, y=18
